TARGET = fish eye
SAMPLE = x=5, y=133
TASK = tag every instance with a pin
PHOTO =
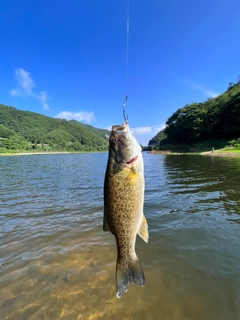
x=115, y=139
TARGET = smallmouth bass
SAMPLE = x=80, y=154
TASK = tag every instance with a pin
x=123, y=204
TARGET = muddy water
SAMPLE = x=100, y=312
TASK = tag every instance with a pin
x=57, y=263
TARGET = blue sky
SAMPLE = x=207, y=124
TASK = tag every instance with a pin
x=68, y=58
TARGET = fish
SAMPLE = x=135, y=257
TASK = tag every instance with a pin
x=123, y=204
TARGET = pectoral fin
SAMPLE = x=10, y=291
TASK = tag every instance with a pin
x=143, y=229
x=105, y=224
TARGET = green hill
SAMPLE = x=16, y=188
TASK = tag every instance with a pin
x=28, y=131
x=215, y=122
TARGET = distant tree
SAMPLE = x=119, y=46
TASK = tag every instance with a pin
x=156, y=140
x=230, y=85
x=216, y=118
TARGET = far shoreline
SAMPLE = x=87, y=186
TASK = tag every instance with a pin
x=168, y=152
x=205, y=153
x=221, y=154
x=46, y=153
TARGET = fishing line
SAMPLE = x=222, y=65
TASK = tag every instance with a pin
x=127, y=53
x=127, y=39
x=125, y=117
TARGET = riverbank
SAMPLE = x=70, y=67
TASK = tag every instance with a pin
x=205, y=153
x=43, y=153
x=31, y=153
x=221, y=154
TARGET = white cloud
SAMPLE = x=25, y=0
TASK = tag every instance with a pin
x=147, y=130
x=141, y=130
x=16, y=92
x=109, y=128
x=43, y=99
x=159, y=128
x=212, y=94
x=79, y=116
x=25, y=88
x=201, y=88
x=144, y=134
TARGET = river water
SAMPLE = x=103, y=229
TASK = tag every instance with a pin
x=57, y=263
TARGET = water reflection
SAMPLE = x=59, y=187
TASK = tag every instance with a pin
x=199, y=183
x=57, y=263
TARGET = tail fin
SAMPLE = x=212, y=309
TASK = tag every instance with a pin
x=128, y=271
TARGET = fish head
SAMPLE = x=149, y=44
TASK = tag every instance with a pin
x=123, y=146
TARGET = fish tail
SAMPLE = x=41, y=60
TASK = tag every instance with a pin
x=128, y=271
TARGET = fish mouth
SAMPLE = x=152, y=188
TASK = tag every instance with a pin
x=120, y=128
x=132, y=160
x=125, y=155
x=122, y=133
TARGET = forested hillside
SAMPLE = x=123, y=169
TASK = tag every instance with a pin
x=29, y=131
x=157, y=139
x=215, y=119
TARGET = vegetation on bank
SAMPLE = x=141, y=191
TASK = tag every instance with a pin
x=199, y=127
x=24, y=131
x=234, y=146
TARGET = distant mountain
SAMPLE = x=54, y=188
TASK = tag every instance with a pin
x=29, y=131
x=214, y=119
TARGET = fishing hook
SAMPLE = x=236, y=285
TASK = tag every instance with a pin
x=124, y=105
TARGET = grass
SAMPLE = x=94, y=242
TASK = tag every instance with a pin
x=229, y=149
x=220, y=147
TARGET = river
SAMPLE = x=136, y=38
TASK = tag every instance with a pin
x=57, y=263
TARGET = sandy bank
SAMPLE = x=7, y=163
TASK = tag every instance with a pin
x=207, y=153
x=31, y=153
x=57, y=152
x=221, y=154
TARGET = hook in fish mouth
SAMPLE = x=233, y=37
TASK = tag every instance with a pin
x=120, y=127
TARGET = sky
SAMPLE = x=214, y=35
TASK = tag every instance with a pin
x=78, y=59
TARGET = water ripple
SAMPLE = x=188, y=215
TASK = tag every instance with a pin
x=57, y=263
